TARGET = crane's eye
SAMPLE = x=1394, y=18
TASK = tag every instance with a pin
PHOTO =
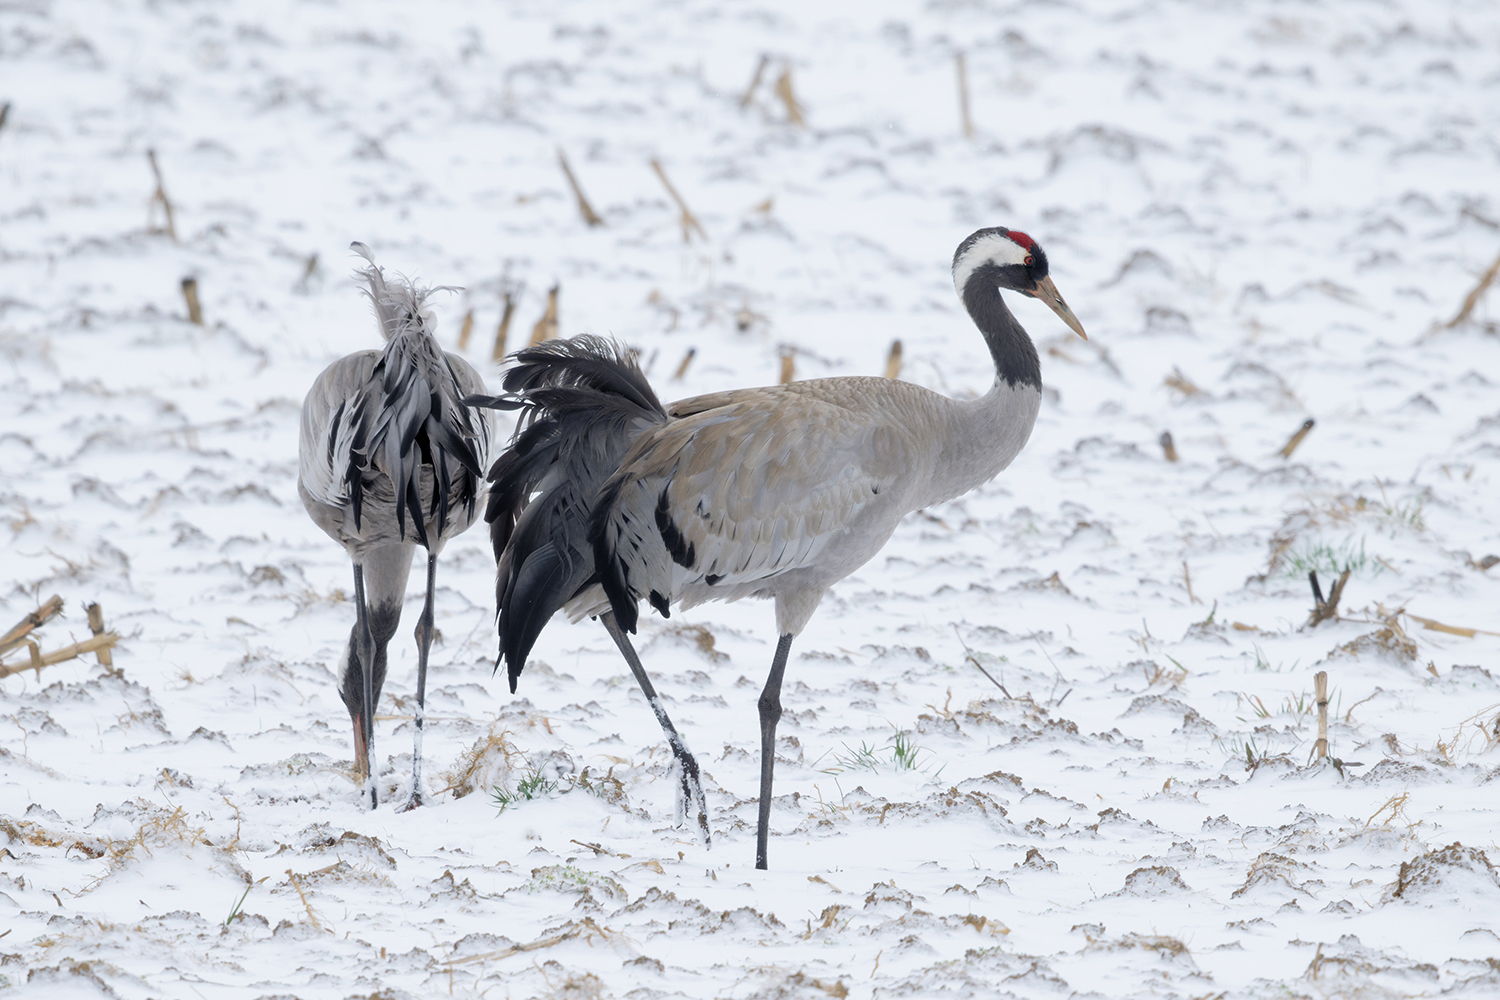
x=1028, y=260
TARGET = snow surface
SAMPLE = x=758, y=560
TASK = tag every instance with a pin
x=1275, y=205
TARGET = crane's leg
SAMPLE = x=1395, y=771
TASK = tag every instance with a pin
x=690, y=794
x=424, y=643
x=770, y=715
x=379, y=585
x=364, y=722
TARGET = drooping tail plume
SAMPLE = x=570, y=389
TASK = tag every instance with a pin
x=410, y=415
x=583, y=402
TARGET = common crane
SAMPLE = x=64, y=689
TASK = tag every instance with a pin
x=606, y=498
x=390, y=458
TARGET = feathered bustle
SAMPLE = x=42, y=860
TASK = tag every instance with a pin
x=410, y=416
x=583, y=402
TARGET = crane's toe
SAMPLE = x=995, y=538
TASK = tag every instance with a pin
x=690, y=798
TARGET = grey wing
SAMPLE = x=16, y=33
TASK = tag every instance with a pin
x=326, y=435
x=345, y=409
x=480, y=426
x=764, y=484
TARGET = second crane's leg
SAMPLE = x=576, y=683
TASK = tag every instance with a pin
x=770, y=715
x=364, y=738
x=692, y=786
x=424, y=643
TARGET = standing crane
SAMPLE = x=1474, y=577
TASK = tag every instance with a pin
x=389, y=459
x=605, y=497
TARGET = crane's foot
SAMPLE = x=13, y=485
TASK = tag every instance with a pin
x=690, y=799
x=415, y=802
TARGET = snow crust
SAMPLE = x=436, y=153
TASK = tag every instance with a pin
x=1261, y=212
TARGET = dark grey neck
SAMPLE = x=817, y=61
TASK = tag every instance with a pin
x=1016, y=361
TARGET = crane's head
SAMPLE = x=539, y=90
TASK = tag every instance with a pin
x=1007, y=258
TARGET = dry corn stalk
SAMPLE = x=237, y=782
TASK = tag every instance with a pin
x=1168, y=446
x=760, y=71
x=466, y=330
x=190, y=296
x=49, y=610
x=159, y=197
x=688, y=220
x=309, y=272
x=38, y=659
x=1296, y=439
x=502, y=332
x=788, y=365
x=1320, y=695
x=1324, y=610
x=585, y=928
x=1181, y=383
x=687, y=359
x=1436, y=626
x=584, y=208
x=96, y=626
x=1472, y=299
x=546, y=327
x=893, y=360
x=963, y=95
x=788, y=98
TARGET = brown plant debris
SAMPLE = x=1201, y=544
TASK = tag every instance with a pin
x=585, y=928
x=893, y=360
x=1436, y=626
x=502, y=331
x=697, y=636
x=312, y=915
x=309, y=272
x=546, y=327
x=1391, y=638
x=1324, y=610
x=962, y=67
x=466, y=331
x=49, y=610
x=159, y=197
x=39, y=659
x=96, y=626
x=1296, y=439
x=473, y=771
x=1269, y=868
x=590, y=217
x=760, y=72
x=190, y=296
x=1429, y=871
x=789, y=98
x=1475, y=294
x=1168, y=446
x=1320, y=694
x=686, y=218
x=1182, y=383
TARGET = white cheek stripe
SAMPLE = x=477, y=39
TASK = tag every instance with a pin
x=992, y=249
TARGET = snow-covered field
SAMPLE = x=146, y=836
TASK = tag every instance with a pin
x=1262, y=212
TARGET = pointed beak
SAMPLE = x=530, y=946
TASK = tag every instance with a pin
x=1048, y=293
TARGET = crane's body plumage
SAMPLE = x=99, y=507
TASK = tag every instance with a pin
x=389, y=458
x=347, y=488
x=607, y=498
x=780, y=492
